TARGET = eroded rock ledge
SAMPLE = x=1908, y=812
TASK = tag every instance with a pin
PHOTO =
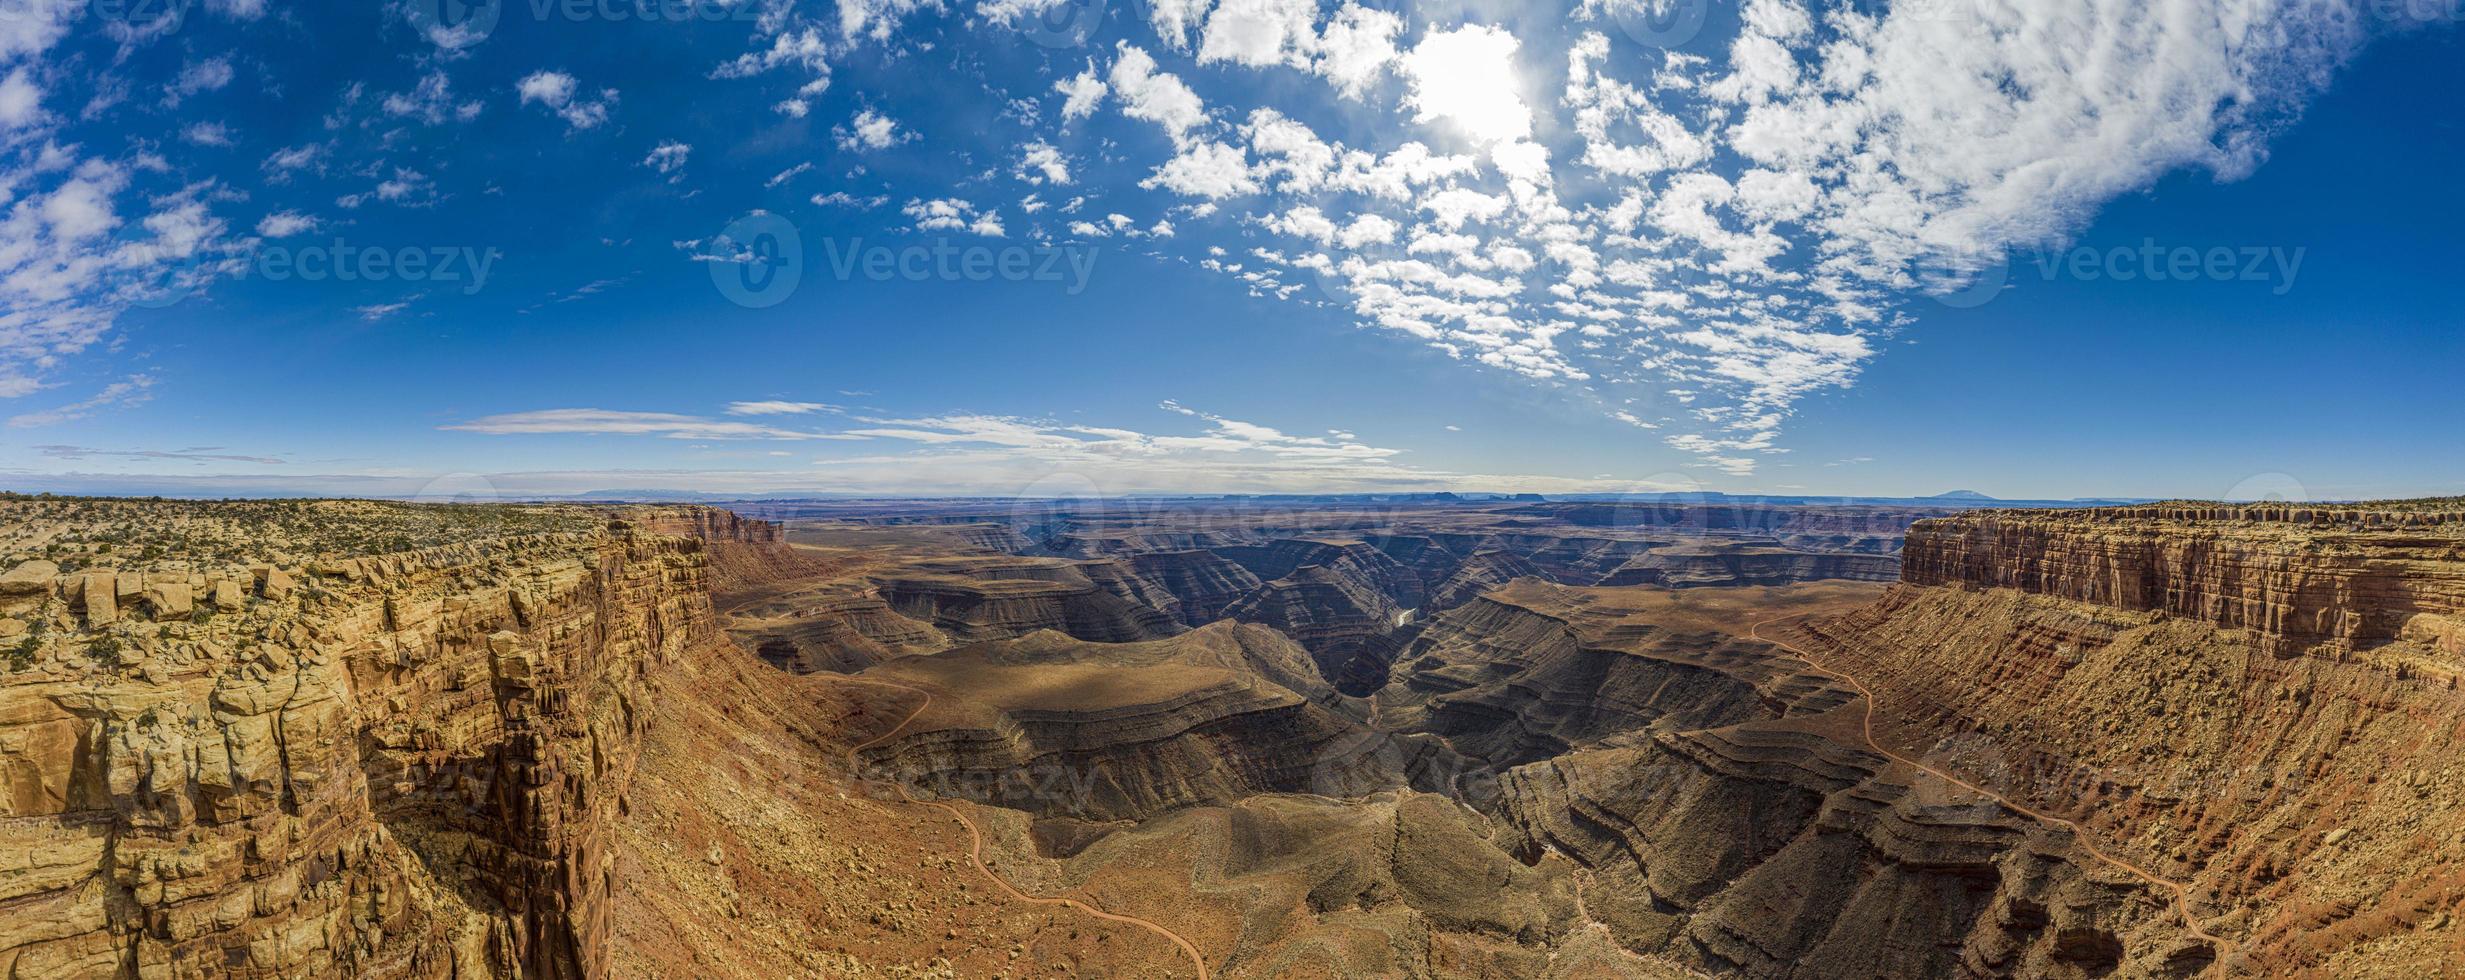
x=400, y=764
x=2300, y=577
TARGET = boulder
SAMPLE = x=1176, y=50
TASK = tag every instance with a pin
x=273, y=583
x=30, y=578
x=168, y=601
x=99, y=592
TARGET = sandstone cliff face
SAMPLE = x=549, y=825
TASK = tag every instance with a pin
x=2259, y=702
x=2297, y=576
x=394, y=765
x=2251, y=700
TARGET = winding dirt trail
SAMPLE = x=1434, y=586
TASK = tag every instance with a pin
x=2079, y=836
x=975, y=835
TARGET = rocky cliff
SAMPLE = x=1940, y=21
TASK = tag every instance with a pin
x=335, y=761
x=2298, y=577
x=2258, y=702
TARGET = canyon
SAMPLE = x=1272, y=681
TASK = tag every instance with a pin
x=1511, y=738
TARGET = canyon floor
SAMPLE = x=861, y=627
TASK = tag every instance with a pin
x=1206, y=738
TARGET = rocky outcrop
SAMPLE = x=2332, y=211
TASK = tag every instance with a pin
x=1507, y=679
x=982, y=602
x=837, y=626
x=2299, y=577
x=1337, y=616
x=1353, y=560
x=1204, y=585
x=1713, y=565
x=1476, y=576
x=2258, y=702
x=1098, y=732
x=395, y=764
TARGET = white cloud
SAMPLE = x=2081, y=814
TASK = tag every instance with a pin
x=21, y=100
x=668, y=158
x=1041, y=163
x=557, y=92
x=953, y=214
x=1356, y=48
x=1173, y=20
x=870, y=130
x=1205, y=169
x=432, y=101
x=1154, y=96
x=1467, y=77
x=596, y=421
x=208, y=134
x=1260, y=32
x=210, y=75
x=780, y=408
x=875, y=19
x=1080, y=93
x=284, y=224
x=136, y=389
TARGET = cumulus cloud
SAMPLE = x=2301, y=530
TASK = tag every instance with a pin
x=953, y=214
x=559, y=93
x=284, y=224
x=668, y=158
x=870, y=130
x=1041, y=163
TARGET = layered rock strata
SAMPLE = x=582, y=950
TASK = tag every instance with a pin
x=399, y=764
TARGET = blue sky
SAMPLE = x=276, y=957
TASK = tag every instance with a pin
x=2166, y=248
